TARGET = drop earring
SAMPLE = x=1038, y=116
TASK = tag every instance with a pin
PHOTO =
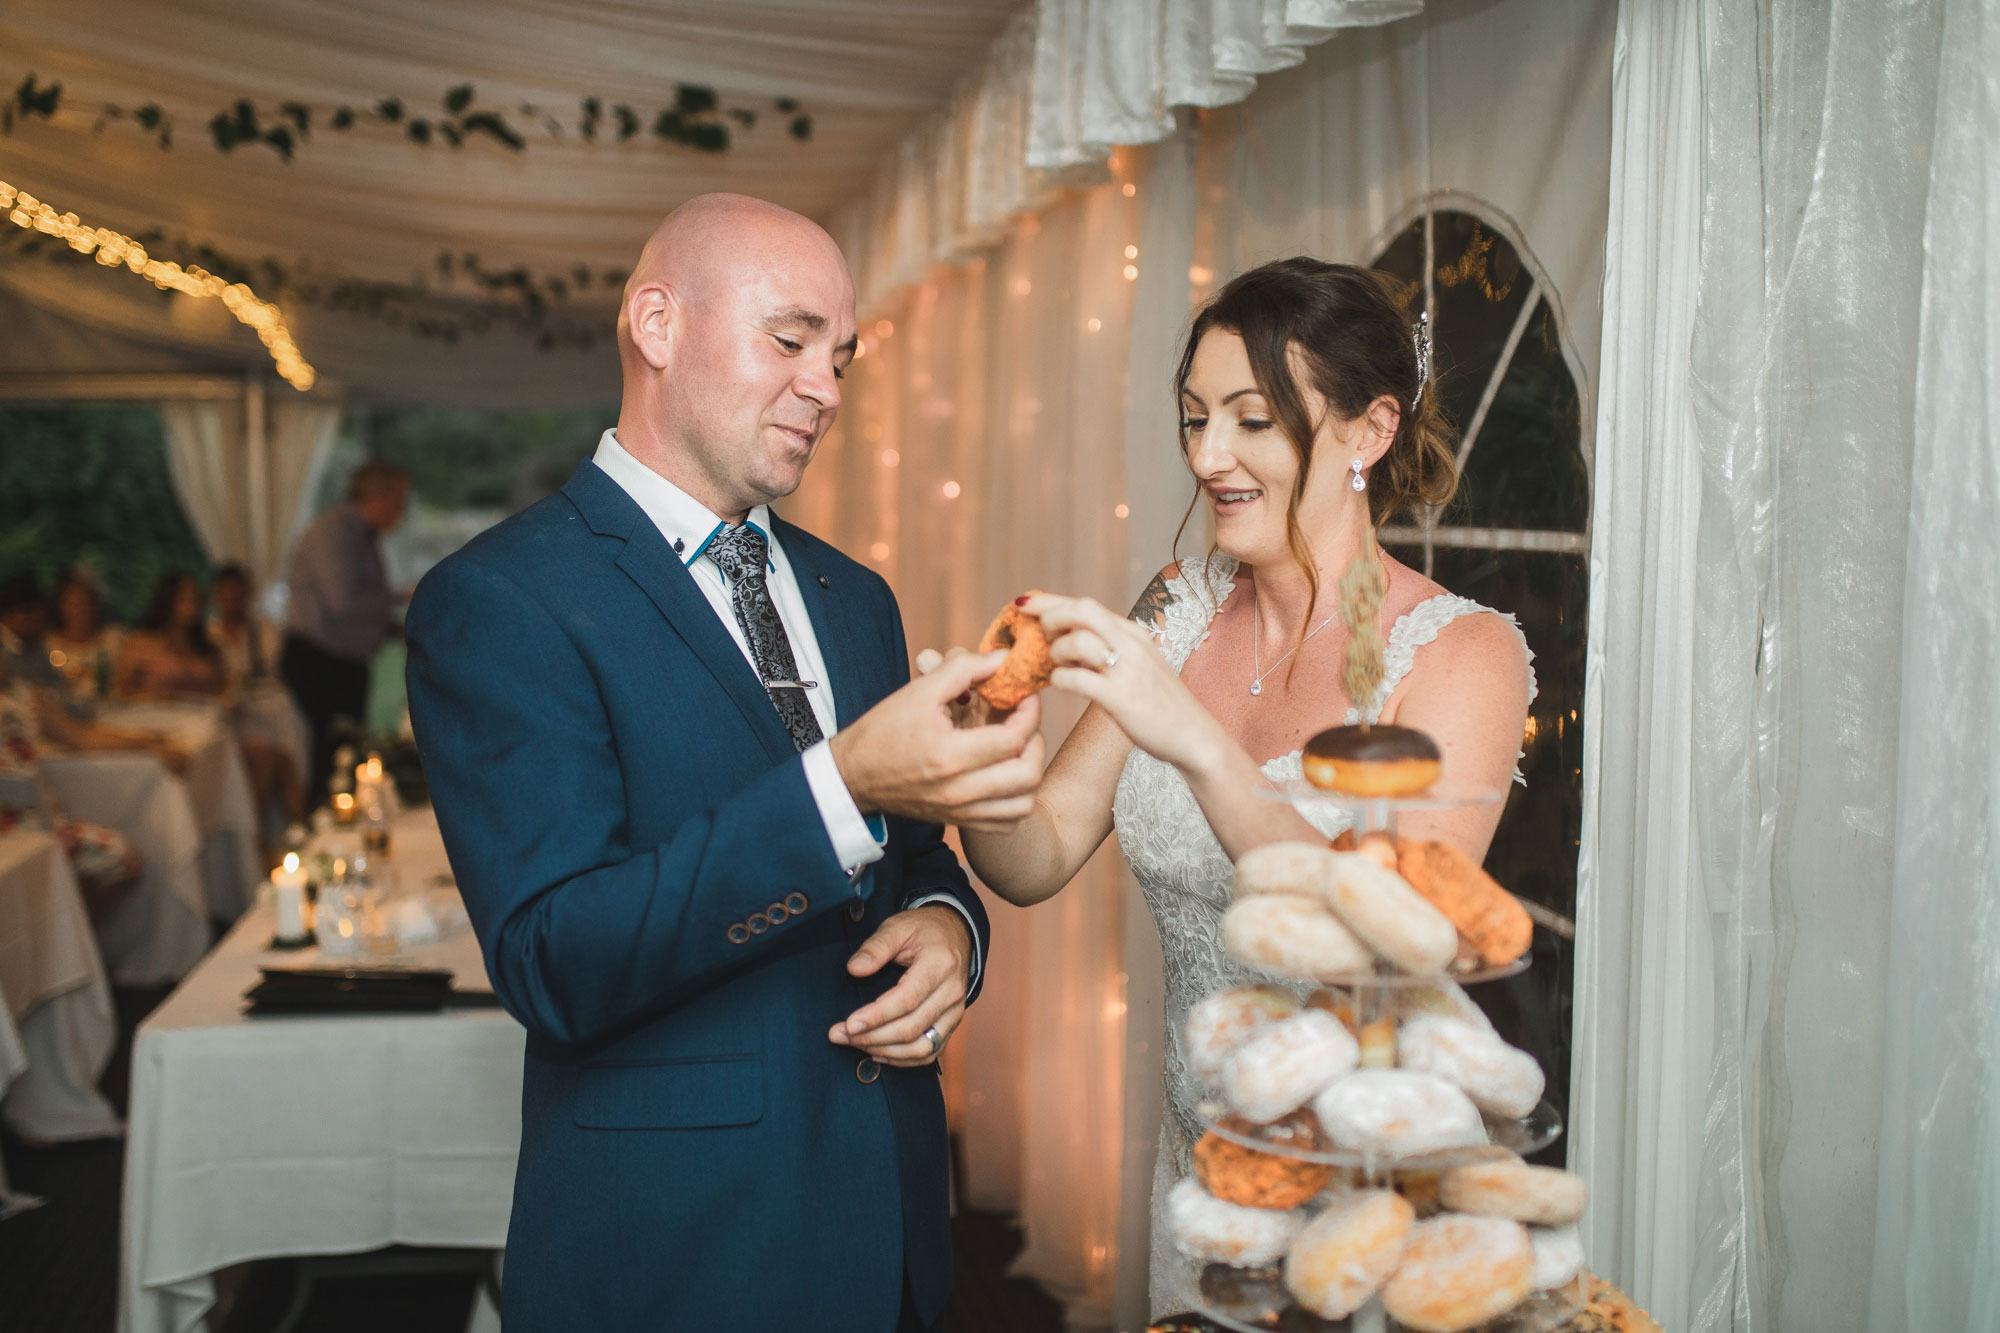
x=1359, y=484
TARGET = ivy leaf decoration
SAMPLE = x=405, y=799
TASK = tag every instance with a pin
x=628, y=123
x=692, y=99
x=343, y=118
x=593, y=113
x=787, y=105
x=390, y=109
x=451, y=134
x=149, y=116
x=711, y=138
x=420, y=131
x=490, y=124
x=802, y=128
x=280, y=138
x=38, y=101
x=669, y=125
x=459, y=98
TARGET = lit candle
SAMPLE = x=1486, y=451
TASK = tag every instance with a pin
x=291, y=880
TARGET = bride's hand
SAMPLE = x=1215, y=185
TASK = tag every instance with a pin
x=1115, y=663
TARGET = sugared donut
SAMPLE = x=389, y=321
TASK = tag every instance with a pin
x=1344, y=1255
x=1371, y=761
x=1390, y=917
x=1543, y=1195
x=1206, y=1228
x=1489, y=917
x=1281, y=1066
x=1398, y=1113
x=1293, y=937
x=1299, y=868
x=1499, y=1078
x=1236, y=1174
x=1028, y=667
x=1558, y=1255
x=1458, y=1272
x=1217, y=1025
x=1443, y=997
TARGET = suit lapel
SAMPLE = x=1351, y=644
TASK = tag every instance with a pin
x=847, y=664
x=649, y=562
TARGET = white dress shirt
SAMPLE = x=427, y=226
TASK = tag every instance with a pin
x=688, y=525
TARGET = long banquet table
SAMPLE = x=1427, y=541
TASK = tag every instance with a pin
x=54, y=996
x=264, y=1137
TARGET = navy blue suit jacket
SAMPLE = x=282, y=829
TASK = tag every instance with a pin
x=619, y=798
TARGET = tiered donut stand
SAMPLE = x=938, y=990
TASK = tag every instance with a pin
x=1257, y=1299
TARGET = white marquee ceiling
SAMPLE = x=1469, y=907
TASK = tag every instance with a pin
x=367, y=203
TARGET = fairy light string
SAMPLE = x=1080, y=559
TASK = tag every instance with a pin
x=112, y=249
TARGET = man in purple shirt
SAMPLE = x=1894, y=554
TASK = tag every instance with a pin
x=341, y=608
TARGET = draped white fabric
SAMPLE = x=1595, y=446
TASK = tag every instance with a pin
x=1037, y=380
x=1788, y=1094
x=1066, y=83
x=245, y=470
x=205, y=460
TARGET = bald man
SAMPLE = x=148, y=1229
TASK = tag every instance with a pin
x=693, y=799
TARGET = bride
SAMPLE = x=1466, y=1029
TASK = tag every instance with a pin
x=1307, y=420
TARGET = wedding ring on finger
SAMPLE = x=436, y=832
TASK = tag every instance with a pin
x=936, y=1040
x=1110, y=659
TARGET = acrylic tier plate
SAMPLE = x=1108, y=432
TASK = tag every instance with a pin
x=1530, y=1134
x=1255, y=1301
x=1375, y=811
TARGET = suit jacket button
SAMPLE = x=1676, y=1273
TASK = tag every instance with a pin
x=795, y=903
x=758, y=923
x=855, y=911
x=867, y=1071
x=738, y=933
x=777, y=914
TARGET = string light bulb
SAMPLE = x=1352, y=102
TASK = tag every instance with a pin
x=111, y=249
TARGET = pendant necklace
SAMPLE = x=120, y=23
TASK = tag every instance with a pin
x=1257, y=638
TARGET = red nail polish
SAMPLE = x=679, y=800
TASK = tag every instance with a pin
x=1021, y=600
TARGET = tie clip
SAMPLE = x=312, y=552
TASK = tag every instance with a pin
x=791, y=684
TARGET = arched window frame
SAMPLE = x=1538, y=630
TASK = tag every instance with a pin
x=1428, y=533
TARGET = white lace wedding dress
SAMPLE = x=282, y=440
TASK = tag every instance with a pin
x=1186, y=875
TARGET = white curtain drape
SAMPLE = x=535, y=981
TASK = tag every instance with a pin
x=244, y=469
x=1788, y=1049
x=1066, y=83
x=205, y=460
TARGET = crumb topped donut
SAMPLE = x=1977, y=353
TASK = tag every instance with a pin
x=1028, y=668
x=1236, y=1174
x=1372, y=761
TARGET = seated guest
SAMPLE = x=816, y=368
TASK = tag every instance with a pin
x=169, y=655
x=341, y=608
x=31, y=717
x=24, y=622
x=243, y=639
x=266, y=718
x=81, y=645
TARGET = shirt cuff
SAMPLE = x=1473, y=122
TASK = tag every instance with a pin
x=854, y=844
x=978, y=963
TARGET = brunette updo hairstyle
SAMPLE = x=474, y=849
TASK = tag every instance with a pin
x=1355, y=345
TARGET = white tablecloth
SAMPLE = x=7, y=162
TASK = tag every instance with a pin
x=258, y=1137
x=220, y=788
x=52, y=987
x=159, y=928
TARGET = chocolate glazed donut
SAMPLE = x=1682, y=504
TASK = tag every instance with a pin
x=1372, y=761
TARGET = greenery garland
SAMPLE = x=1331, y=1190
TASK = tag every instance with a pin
x=696, y=119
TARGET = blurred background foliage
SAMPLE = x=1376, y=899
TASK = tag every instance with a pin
x=87, y=485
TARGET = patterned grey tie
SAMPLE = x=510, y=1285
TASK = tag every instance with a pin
x=740, y=553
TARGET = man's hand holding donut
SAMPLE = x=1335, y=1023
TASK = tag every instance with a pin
x=908, y=756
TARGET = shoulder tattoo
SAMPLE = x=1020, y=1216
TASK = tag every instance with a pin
x=1151, y=608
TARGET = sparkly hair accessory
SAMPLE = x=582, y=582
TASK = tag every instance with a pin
x=1422, y=339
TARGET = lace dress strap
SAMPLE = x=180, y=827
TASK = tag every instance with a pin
x=1194, y=597
x=1421, y=625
